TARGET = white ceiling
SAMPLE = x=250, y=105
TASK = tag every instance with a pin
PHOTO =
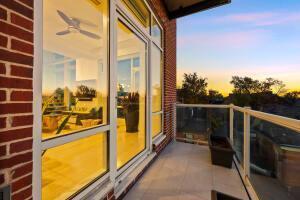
x=75, y=44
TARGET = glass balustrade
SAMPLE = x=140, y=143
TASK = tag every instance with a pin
x=238, y=136
x=194, y=124
x=272, y=159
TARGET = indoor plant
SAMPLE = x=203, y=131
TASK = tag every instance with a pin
x=130, y=105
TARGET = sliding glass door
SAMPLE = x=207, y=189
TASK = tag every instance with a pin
x=131, y=93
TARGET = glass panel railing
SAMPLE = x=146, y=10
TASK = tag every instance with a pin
x=194, y=124
x=274, y=161
x=238, y=136
x=274, y=154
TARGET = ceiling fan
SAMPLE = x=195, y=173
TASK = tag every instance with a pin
x=74, y=26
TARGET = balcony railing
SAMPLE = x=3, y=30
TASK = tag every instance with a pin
x=267, y=146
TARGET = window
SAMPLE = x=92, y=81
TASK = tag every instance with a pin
x=156, y=80
x=75, y=128
x=74, y=95
x=156, y=32
x=156, y=124
x=156, y=90
x=68, y=168
x=140, y=11
x=75, y=70
x=131, y=95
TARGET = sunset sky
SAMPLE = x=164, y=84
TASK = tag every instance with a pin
x=253, y=38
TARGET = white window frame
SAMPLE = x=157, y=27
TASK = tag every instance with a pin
x=134, y=23
x=113, y=175
x=131, y=26
x=162, y=35
x=161, y=112
x=39, y=145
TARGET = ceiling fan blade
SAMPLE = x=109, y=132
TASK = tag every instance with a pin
x=65, y=18
x=63, y=32
x=89, y=34
x=85, y=22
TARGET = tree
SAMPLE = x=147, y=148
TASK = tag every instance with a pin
x=194, y=89
x=59, y=92
x=215, y=96
x=255, y=93
x=244, y=85
x=247, y=85
x=59, y=95
x=272, y=85
x=291, y=97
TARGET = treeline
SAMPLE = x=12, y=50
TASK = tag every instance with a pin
x=246, y=92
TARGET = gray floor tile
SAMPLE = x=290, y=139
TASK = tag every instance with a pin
x=184, y=171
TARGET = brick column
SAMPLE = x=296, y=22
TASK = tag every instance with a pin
x=169, y=69
x=16, y=117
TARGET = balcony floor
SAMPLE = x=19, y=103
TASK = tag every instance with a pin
x=184, y=171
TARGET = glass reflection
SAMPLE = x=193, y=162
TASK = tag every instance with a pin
x=156, y=32
x=140, y=11
x=156, y=125
x=68, y=168
x=156, y=79
x=75, y=83
x=131, y=95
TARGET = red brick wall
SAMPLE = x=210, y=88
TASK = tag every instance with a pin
x=16, y=66
x=16, y=118
x=169, y=69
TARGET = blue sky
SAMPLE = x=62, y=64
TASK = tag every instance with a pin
x=256, y=38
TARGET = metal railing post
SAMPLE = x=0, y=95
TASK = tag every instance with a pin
x=231, y=118
x=246, y=142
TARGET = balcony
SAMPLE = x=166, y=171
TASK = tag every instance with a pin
x=184, y=171
x=267, y=156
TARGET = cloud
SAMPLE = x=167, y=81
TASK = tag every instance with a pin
x=236, y=39
x=261, y=18
x=256, y=23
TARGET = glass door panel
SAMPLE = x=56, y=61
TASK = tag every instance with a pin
x=131, y=95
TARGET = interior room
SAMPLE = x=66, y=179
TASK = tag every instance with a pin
x=75, y=75
x=131, y=94
x=75, y=93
